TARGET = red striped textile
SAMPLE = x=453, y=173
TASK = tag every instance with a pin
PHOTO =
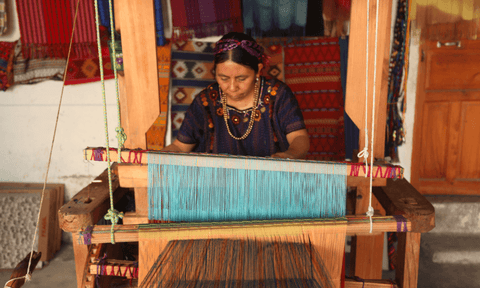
x=203, y=18
x=46, y=27
x=312, y=71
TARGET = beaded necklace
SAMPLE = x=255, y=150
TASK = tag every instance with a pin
x=252, y=116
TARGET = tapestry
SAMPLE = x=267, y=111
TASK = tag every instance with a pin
x=83, y=69
x=204, y=18
x=191, y=72
x=273, y=48
x=46, y=28
x=7, y=50
x=312, y=71
x=156, y=133
x=275, y=18
x=30, y=71
x=3, y=17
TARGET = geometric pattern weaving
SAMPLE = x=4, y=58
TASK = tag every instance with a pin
x=312, y=71
x=191, y=71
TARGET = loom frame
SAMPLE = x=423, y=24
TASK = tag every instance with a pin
x=140, y=107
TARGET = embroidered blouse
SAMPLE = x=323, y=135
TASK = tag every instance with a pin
x=276, y=115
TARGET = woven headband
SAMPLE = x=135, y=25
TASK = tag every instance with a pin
x=251, y=47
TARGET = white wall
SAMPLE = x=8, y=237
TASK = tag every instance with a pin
x=28, y=114
x=405, y=151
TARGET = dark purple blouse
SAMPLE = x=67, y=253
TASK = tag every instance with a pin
x=277, y=115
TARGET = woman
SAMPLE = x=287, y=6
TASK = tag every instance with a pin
x=243, y=113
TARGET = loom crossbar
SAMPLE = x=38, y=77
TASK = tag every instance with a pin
x=356, y=225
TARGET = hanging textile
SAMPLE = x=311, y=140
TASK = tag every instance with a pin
x=46, y=28
x=191, y=72
x=3, y=17
x=30, y=71
x=83, y=69
x=156, y=133
x=446, y=20
x=395, y=134
x=352, y=133
x=275, y=18
x=203, y=18
x=273, y=48
x=7, y=50
x=335, y=15
x=312, y=71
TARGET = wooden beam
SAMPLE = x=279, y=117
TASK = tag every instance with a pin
x=238, y=229
x=350, y=283
x=401, y=198
x=140, y=103
x=89, y=205
x=136, y=176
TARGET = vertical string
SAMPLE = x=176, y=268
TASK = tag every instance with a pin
x=112, y=214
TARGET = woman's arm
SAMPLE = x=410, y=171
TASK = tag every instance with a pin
x=178, y=146
x=299, y=143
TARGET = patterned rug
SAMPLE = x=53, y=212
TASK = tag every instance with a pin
x=83, y=69
x=312, y=71
x=191, y=72
x=274, y=49
x=7, y=50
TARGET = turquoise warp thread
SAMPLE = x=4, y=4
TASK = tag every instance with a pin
x=191, y=193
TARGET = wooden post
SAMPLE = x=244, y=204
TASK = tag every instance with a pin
x=406, y=274
x=369, y=249
x=140, y=104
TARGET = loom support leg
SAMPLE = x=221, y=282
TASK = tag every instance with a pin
x=81, y=254
x=367, y=251
x=408, y=255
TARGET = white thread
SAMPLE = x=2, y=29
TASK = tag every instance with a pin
x=27, y=277
x=370, y=208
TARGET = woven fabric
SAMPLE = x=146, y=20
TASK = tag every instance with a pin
x=3, y=17
x=191, y=72
x=83, y=69
x=203, y=18
x=273, y=48
x=6, y=64
x=275, y=18
x=156, y=133
x=312, y=70
x=30, y=71
x=46, y=28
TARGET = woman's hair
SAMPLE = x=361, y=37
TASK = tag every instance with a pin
x=239, y=48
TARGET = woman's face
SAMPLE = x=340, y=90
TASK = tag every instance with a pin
x=236, y=81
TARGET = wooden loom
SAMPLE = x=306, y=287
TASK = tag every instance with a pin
x=141, y=107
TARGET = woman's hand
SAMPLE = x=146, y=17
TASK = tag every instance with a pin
x=178, y=146
x=299, y=143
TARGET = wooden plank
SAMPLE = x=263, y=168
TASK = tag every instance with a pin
x=356, y=225
x=408, y=255
x=369, y=283
x=439, y=187
x=401, y=198
x=148, y=251
x=141, y=99
x=367, y=250
x=89, y=205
